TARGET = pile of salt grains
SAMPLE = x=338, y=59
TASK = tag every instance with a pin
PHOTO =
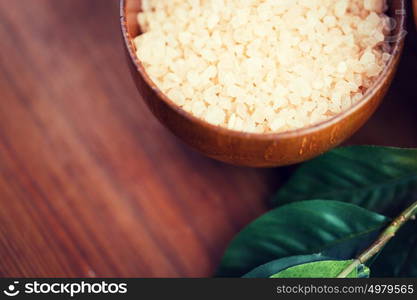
x=263, y=65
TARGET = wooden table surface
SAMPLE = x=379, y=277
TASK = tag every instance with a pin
x=91, y=184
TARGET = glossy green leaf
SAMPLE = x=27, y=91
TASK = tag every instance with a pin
x=299, y=228
x=275, y=266
x=380, y=179
x=322, y=269
x=399, y=257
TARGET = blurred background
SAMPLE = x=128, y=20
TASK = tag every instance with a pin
x=92, y=185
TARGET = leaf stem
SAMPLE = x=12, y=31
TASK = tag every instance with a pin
x=382, y=240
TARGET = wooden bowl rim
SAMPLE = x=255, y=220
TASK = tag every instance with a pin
x=377, y=85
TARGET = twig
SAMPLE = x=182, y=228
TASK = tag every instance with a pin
x=382, y=240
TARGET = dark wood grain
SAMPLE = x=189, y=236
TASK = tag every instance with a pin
x=91, y=184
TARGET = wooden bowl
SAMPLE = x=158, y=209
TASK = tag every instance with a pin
x=251, y=149
x=415, y=11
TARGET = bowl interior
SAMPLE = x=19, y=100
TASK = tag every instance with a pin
x=131, y=29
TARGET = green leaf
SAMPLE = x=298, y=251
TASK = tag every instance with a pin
x=275, y=266
x=380, y=179
x=322, y=269
x=299, y=228
x=399, y=257
x=351, y=247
